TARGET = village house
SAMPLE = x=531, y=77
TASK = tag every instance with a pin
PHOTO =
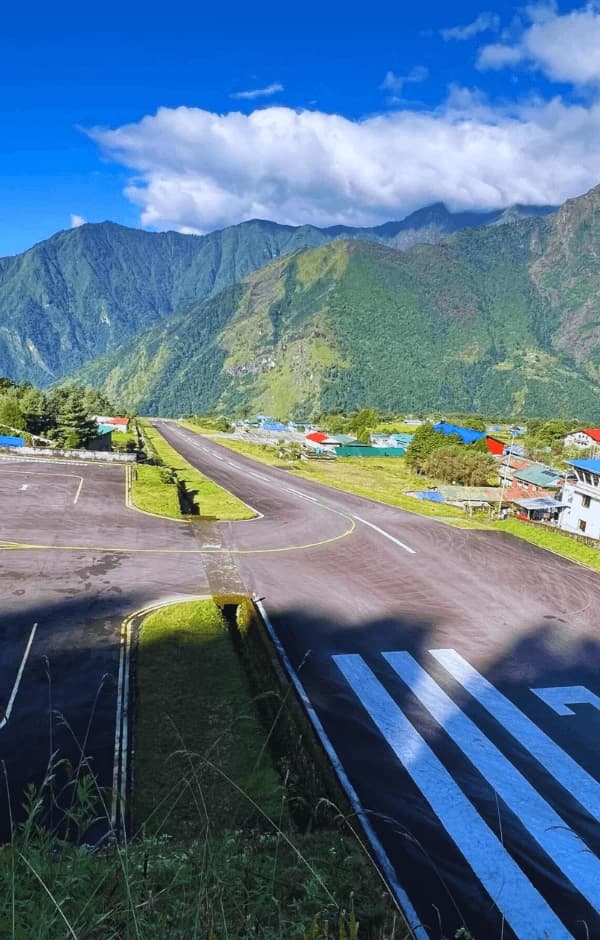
x=584, y=439
x=116, y=424
x=525, y=479
x=581, y=499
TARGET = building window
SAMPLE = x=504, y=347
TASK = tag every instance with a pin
x=585, y=501
x=581, y=525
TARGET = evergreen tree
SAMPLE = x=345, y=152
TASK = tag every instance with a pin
x=74, y=427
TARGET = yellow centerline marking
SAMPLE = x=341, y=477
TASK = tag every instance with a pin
x=24, y=546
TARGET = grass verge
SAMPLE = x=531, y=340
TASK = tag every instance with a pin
x=205, y=497
x=152, y=491
x=558, y=542
x=203, y=756
x=194, y=700
x=383, y=480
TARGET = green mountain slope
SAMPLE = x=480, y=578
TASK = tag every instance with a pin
x=88, y=289
x=85, y=291
x=475, y=323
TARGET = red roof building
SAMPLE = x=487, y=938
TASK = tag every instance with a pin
x=119, y=424
x=495, y=446
x=584, y=438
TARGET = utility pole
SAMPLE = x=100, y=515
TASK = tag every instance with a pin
x=503, y=484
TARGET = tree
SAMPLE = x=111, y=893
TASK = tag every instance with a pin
x=459, y=464
x=74, y=427
x=34, y=408
x=425, y=441
x=10, y=414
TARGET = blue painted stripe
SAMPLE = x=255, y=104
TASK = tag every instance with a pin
x=523, y=907
x=549, y=830
x=577, y=781
x=381, y=857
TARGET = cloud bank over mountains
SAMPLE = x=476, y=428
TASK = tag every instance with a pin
x=194, y=170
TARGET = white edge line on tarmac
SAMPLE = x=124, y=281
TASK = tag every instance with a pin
x=380, y=854
x=15, y=687
x=121, y=750
x=385, y=534
x=78, y=493
x=118, y=716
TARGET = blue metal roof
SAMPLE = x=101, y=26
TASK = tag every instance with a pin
x=431, y=495
x=593, y=465
x=274, y=426
x=7, y=441
x=467, y=435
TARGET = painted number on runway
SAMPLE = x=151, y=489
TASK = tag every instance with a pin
x=509, y=887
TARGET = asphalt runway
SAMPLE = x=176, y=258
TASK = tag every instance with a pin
x=454, y=674
x=63, y=606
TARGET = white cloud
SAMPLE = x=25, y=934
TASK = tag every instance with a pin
x=483, y=23
x=566, y=48
x=395, y=83
x=196, y=171
x=253, y=93
x=77, y=220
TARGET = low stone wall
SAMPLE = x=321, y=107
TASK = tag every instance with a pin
x=103, y=456
x=584, y=539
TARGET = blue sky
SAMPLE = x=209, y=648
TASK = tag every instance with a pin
x=363, y=115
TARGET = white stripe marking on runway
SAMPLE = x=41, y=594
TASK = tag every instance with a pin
x=15, y=687
x=577, y=781
x=508, y=886
x=386, y=534
x=557, y=698
x=550, y=831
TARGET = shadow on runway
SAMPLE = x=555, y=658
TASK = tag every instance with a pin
x=452, y=759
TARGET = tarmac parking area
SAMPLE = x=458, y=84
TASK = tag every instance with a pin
x=74, y=562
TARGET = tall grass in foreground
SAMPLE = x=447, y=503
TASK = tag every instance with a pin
x=213, y=851
x=237, y=883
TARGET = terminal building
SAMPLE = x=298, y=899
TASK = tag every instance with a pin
x=581, y=499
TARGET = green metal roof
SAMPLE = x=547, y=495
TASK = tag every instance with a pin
x=539, y=475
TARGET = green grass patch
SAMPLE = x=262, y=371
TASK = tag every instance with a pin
x=124, y=440
x=150, y=492
x=194, y=705
x=383, y=480
x=558, y=542
x=207, y=497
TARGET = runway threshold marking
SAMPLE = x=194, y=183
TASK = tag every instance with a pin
x=558, y=698
x=546, y=827
x=577, y=781
x=508, y=886
x=15, y=687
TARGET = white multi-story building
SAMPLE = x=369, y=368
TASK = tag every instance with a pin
x=585, y=439
x=581, y=499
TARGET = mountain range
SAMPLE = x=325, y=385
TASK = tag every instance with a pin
x=494, y=312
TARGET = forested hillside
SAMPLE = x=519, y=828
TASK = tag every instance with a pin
x=499, y=319
x=88, y=290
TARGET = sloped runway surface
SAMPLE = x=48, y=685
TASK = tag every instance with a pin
x=456, y=675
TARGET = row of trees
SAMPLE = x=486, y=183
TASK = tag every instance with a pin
x=63, y=415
